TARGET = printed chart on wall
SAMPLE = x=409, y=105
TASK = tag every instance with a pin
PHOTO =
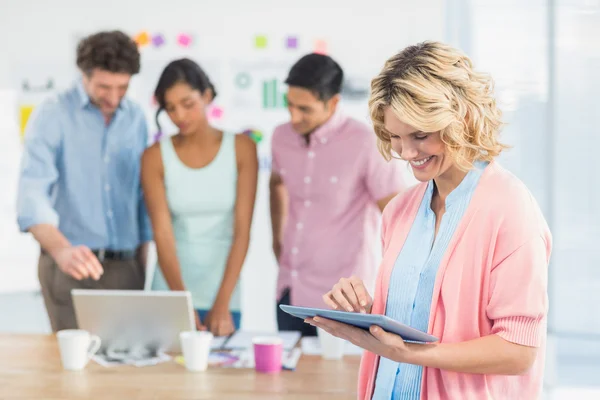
x=259, y=102
x=355, y=95
x=35, y=84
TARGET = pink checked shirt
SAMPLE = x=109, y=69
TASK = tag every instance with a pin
x=332, y=226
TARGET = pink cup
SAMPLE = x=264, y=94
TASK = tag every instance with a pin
x=268, y=352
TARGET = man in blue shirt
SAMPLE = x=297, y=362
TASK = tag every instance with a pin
x=79, y=191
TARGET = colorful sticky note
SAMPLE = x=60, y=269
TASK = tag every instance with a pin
x=157, y=136
x=255, y=135
x=158, y=40
x=260, y=42
x=184, y=39
x=216, y=112
x=24, y=114
x=142, y=39
x=320, y=47
x=291, y=42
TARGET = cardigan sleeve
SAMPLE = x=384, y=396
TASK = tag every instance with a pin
x=518, y=301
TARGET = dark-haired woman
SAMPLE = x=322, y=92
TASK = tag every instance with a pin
x=200, y=187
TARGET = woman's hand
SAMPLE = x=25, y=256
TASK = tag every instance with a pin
x=219, y=321
x=349, y=294
x=375, y=340
x=199, y=326
x=489, y=354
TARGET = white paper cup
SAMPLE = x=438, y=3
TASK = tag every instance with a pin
x=332, y=348
x=196, y=348
x=76, y=348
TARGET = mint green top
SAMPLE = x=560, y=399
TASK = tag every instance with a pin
x=201, y=202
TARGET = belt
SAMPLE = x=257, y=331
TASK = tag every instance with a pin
x=115, y=255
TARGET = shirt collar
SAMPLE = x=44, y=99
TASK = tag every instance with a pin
x=468, y=183
x=330, y=127
x=465, y=187
x=84, y=98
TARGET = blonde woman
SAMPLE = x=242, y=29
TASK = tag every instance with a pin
x=466, y=251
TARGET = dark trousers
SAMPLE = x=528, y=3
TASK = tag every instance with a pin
x=56, y=286
x=287, y=322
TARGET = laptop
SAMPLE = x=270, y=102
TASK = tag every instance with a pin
x=123, y=318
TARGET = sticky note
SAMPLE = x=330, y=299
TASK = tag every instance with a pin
x=158, y=40
x=24, y=114
x=184, y=39
x=142, y=39
x=157, y=136
x=216, y=112
x=320, y=47
x=291, y=42
x=260, y=42
x=255, y=135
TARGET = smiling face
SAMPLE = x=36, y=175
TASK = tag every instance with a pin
x=424, y=151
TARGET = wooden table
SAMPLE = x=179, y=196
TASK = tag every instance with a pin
x=30, y=368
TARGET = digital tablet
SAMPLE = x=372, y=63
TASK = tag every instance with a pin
x=363, y=321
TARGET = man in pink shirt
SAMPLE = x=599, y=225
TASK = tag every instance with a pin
x=329, y=185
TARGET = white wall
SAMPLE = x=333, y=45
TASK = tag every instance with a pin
x=38, y=39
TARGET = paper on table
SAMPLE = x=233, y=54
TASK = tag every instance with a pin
x=245, y=359
x=106, y=361
x=243, y=339
x=290, y=359
x=161, y=358
x=215, y=359
x=312, y=346
x=218, y=342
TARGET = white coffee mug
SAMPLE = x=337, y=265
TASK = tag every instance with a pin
x=332, y=347
x=196, y=348
x=76, y=348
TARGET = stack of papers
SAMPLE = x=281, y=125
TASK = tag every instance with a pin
x=243, y=340
x=245, y=359
x=137, y=358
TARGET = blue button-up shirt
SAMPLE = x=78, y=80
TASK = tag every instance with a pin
x=411, y=284
x=82, y=175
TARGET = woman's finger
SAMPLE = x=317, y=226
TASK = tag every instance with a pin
x=350, y=294
x=340, y=298
x=328, y=299
x=363, y=296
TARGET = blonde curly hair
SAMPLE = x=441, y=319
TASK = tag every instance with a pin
x=433, y=87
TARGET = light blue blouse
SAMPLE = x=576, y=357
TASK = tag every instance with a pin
x=411, y=285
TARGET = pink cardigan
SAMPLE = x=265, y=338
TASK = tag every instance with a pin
x=491, y=280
